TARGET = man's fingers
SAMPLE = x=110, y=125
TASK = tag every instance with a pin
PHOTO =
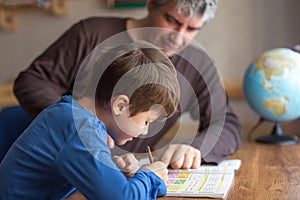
x=192, y=159
x=173, y=153
x=167, y=156
x=181, y=156
x=178, y=157
x=177, y=163
x=188, y=162
x=196, y=161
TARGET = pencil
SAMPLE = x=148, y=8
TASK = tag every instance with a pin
x=149, y=154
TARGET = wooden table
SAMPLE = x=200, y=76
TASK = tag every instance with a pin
x=267, y=172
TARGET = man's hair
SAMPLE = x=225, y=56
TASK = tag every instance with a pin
x=141, y=72
x=193, y=8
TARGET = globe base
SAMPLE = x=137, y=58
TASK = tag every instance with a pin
x=279, y=140
x=278, y=137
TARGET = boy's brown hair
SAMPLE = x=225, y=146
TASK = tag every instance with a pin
x=141, y=72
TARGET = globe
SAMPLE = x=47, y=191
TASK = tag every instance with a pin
x=272, y=85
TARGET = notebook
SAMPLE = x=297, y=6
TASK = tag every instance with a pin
x=206, y=181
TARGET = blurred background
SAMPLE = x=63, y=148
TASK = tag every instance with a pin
x=240, y=32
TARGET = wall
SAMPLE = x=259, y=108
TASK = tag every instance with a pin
x=241, y=30
x=36, y=30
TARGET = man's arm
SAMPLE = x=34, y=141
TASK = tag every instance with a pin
x=217, y=139
x=219, y=132
x=52, y=74
x=217, y=143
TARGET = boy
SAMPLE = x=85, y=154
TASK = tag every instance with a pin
x=65, y=147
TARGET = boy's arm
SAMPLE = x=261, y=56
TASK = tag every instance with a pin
x=99, y=178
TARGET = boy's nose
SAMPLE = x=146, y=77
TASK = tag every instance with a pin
x=145, y=131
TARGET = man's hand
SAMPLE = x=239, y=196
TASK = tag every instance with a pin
x=127, y=163
x=181, y=156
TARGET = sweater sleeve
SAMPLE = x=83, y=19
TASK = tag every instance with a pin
x=219, y=132
x=51, y=74
x=221, y=138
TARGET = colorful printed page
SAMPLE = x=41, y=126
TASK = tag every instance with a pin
x=206, y=181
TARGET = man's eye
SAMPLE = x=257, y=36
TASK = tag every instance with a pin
x=146, y=123
x=191, y=29
x=171, y=20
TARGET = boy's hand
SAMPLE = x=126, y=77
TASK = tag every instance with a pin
x=127, y=163
x=159, y=168
x=110, y=142
x=181, y=156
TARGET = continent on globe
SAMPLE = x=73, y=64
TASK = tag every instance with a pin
x=274, y=64
x=277, y=106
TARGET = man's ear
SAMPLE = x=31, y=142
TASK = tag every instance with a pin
x=119, y=104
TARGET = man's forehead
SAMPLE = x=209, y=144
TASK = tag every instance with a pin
x=190, y=21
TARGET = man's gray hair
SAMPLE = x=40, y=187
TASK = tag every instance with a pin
x=193, y=8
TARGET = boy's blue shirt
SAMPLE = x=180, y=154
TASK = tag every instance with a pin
x=65, y=148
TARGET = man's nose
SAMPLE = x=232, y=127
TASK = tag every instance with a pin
x=177, y=37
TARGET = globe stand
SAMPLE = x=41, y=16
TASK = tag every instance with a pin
x=278, y=137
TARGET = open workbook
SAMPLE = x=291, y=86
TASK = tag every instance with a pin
x=212, y=181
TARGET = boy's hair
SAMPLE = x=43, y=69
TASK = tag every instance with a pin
x=141, y=72
x=193, y=8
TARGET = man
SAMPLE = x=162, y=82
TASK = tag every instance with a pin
x=54, y=72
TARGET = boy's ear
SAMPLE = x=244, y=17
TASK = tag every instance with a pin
x=119, y=104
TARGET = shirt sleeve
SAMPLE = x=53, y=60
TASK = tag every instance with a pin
x=52, y=74
x=97, y=177
x=220, y=139
x=219, y=132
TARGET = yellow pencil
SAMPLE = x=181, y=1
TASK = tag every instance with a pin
x=149, y=154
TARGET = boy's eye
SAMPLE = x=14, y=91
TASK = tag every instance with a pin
x=146, y=123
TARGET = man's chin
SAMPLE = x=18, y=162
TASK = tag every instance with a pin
x=170, y=52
